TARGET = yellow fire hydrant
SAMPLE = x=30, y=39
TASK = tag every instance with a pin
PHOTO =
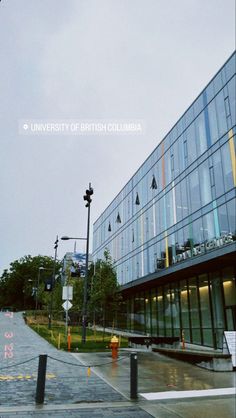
x=114, y=346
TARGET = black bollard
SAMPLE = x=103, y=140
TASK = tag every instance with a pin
x=133, y=376
x=39, y=399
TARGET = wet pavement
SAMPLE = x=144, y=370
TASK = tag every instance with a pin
x=70, y=392
x=157, y=373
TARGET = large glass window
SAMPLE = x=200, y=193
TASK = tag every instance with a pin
x=205, y=310
x=217, y=306
x=160, y=316
x=178, y=203
x=176, y=309
x=197, y=232
x=201, y=138
x=208, y=225
x=159, y=264
x=144, y=191
x=213, y=121
x=194, y=310
x=184, y=198
x=152, y=259
x=231, y=216
x=169, y=209
x=205, y=184
x=139, y=318
x=185, y=308
x=180, y=143
x=223, y=220
x=179, y=241
x=195, y=200
x=171, y=248
x=191, y=143
x=229, y=286
x=176, y=159
x=227, y=167
x=232, y=99
x=154, y=311
x=131, y=310
x=167, y=167
x=221, y=116
x=218, y=174
x=162, y=213
x=168, y=310
x=160, y=176
x=148, y=327
x=230, y=297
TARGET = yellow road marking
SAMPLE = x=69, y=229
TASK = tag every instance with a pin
x=27, y=376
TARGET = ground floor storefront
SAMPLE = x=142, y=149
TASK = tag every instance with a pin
x=197, y=302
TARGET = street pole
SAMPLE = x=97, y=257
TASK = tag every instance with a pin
x=36, y=293
x=84, y=318
x=87, y=197
x=65, y=238
x=53, y=281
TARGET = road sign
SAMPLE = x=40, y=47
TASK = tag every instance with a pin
x=230, y=338
x=67, y=293
x=67, y=305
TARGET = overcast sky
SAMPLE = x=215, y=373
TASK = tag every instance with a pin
x=92, y=60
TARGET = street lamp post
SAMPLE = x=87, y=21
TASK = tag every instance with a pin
x=37, y=289
x=87, y=198
x=52, y=284
x=65, y=238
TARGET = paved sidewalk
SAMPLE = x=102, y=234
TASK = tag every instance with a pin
x=65, y=383
x=71, y=393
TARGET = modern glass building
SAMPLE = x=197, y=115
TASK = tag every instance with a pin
x=171, y=229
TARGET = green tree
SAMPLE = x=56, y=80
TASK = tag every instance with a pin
x=104, y=296
x=18, y=284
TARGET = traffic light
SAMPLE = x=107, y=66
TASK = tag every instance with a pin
x=48, y=285
x=56, y=244
x=87, y=196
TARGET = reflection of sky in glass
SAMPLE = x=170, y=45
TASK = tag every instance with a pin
x=79, y=259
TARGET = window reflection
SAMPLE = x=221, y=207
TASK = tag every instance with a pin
x=229, y=287
x=221, y=115
x=231, y=217
x=223, y=220
x=213, y=121
x=184, y=304
x=217, y=306
x=232, y=99
x=201, y=138
x=205, y=184
x=160, y=316
x=218, y=174
x=205, y=309
x=191, y=143
x=154, y=311
x=227, y=167
x=197, y=231
x=168, y=310
x=194, y=311
x=195, y=200
x=208, y=226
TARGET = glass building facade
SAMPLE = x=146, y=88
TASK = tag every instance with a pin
x=171, y=230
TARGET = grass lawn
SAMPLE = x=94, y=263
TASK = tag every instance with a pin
x=95, y=340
